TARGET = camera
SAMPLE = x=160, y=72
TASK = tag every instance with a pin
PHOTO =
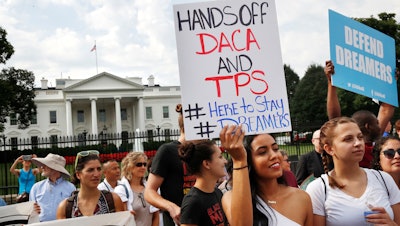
x=27, y=157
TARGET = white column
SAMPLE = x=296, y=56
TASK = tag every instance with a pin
x=94, y=115
x=118, y=123
x=140, y=112
x=68, y=110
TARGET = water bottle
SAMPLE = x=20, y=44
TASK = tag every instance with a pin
x=369, y=204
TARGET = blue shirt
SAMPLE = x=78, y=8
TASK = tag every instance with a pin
x=25, y=180
x=48, y=196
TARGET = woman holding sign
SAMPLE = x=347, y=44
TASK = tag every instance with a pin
x=264, y=194
x=349, y=194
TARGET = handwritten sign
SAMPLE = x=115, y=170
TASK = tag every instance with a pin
x=231, y=68
x=364, y=58
x=124, y=218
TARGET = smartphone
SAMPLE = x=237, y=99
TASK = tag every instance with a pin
x=27, y=157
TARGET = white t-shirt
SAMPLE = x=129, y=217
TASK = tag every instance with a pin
x=342, y=209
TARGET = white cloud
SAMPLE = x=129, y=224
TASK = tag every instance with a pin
x=136, y=37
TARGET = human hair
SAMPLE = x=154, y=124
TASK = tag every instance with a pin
x=397, y=124
x=376, y=161
x=129, y=161
x=362, y=118
x=178, y=109
x=326, y=138
x=259, y=218
x=283, y=152
x=81, y=163
x=107, y=163
x=194, y=153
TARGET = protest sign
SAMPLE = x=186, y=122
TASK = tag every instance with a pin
x=364, y=58
x=230, y=67
x=18, y=214
x=124, y=218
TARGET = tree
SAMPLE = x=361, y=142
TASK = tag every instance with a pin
x=309, y=101
x=292, y=79
x=6, y=49
x=388, y=25
x=16, y=89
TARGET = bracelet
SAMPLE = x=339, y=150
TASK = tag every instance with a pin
x=239, y=168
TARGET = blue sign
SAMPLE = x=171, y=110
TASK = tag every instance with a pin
x=364, y=59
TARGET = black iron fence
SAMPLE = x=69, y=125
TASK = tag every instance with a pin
x=111, y=146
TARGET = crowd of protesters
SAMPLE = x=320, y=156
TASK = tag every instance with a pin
x=352, y=177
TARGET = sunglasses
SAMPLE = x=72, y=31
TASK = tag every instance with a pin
x=140, y=164
x=142, y=200
x=84, y=154
x=390, y=153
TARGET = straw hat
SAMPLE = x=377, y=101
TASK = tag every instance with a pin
x=55, y=162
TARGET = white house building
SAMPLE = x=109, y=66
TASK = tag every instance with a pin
x=104, y=102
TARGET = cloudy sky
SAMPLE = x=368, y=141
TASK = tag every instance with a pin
x=53, y=38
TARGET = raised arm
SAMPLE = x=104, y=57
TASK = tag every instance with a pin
x=237, y=205
x=332, y=101
x=154, y=198
x=12, y=168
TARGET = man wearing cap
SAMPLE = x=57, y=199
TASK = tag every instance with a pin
x=48, y=193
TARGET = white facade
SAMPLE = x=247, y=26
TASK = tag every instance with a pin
x=104, y=102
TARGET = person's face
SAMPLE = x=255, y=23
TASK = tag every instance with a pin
x=267, y=160
x=286, y=163
x=46, y=171
x=139, y=167
x=347, y=143
x=27, y=163
x=91, y=173
x=315, y=141
x=112, y=172
x=375, y=131
x=390, y=165
x=217, y=163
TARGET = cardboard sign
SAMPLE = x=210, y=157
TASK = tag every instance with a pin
x=230, y=67
x=364, y=58
x=18, y=214
x=124, y=218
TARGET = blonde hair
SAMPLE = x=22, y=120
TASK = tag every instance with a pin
x=129, y=162
x=326, y=137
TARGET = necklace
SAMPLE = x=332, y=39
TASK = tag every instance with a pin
x=271, y=201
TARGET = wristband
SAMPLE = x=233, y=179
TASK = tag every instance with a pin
x=239, y=168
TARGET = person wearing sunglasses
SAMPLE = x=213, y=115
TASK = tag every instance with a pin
x=132, y=187
x=387, y=157
x=88, y=201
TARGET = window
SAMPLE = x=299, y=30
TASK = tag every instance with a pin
x=149, y=113
x=14, y=143
x=102, y=115
x=165, y=110
x=150, y=135
x=81, y=116
x=13, y=119
x=34, y=119
x=124, y=115
x=53, y=117
x=53, y=140
x=34, y=142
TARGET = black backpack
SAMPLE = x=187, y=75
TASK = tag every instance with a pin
x=70, y=202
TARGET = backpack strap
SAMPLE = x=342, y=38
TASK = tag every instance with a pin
x=383, y=180
x=110, y=200
x=323, y=181
x=126, y=190
x=70, y=204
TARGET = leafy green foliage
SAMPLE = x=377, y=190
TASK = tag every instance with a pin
x=309, y=100
x=6, y=49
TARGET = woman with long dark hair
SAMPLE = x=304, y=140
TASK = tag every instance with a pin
x=88, y=201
